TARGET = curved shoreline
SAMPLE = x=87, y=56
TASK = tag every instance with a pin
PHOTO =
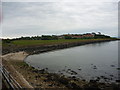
x=58, y=79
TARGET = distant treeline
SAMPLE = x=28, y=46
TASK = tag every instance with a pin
x=101, y=36
x=43, y=37
x=55, y=37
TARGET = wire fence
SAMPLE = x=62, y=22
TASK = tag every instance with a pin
x=9, y=79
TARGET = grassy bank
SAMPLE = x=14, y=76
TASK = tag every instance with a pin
x=38, y=46
x=46, y=42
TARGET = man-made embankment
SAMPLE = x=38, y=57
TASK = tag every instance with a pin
x=34, y=49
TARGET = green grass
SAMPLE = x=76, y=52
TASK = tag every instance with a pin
x=46, y=42
x=42, y=42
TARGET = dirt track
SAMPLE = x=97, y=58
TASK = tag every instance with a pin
x=6, y=59
x=24, y=74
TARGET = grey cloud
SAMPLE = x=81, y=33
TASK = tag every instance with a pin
x=30, y=18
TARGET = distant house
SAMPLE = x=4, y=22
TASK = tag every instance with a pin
x=61, y=37
x=76, y=36
x=88, y=35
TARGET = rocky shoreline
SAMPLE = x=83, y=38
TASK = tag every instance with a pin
x=44, y=79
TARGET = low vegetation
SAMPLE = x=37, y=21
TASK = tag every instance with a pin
x=45, y=42
x=53, y=39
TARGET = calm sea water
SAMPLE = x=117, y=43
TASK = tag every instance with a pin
x=85, y=62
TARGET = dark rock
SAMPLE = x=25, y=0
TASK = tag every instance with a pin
x=32, y=67
x=112, y=65
x=79, y=69
x=98, y=79
x=118, y=68
x=59, y=71
x=32, y=83
x=29, y=77
x=74, y=86
x=46, y=68
x=50, y=85
x=35, y=71
x=73, y=72
x=118, y=81
x=101, y=76
x=69, y=69
x=45, y=80
x=63, y=81
x=111, y=75
x=38, y=84
x=36, y=77
x=116, y=86
x=111, y=79
x=83, y=80
x=65, y=66
x=73, y=77
x=42, y=71
x=91, y=88
x=94, y=67
x=63, y=70
x=92, y=81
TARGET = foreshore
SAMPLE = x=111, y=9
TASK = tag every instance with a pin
x=29, y=77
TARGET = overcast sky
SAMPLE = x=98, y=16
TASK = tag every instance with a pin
x=38, y=18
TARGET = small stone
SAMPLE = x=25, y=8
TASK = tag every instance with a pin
x=92, y=81
x=112, y=65
x=111, y=75
x=79, y=69
x=118, y=68
x=83, y=80
x=118, y=81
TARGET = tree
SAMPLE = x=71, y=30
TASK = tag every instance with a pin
x=6, y=41
x=67, y=37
